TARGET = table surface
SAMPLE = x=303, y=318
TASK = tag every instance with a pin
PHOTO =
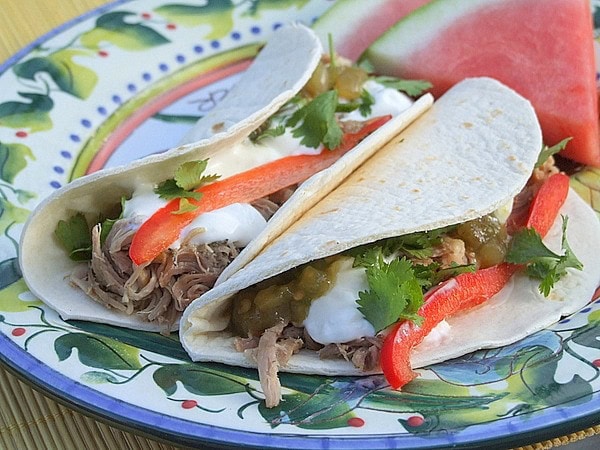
x=29, y=419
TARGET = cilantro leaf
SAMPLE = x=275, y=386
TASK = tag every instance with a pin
x=184, y=206
x=366, y=103
x=394, y=290
x=108, y=223
x=417, y=245
x=169, y=190
x=188, y=176
x=268, y=131
x=75, y=237
x=410, y=87
x=547, y=152
x=542, y=263
x=318, y=122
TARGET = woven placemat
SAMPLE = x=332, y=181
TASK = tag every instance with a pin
x=563, y=440
x=30, y=420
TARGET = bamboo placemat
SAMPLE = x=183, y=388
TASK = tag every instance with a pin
x=28, y=419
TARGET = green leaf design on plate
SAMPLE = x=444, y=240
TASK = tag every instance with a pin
x=9, y=272
x=198, y=379
x=217, y=14
x=115, y=29
x=98, y=352
x=440, y=403
x=9, y=294
x=10, y=215
x=588, y=335
x=96, y=377
x=258, y=6
x=312, y=412
x=154, y=342
x=329, y=405
x=33, y=115
x=13, y=159
x=69, y=76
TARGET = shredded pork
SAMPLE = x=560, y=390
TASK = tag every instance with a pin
x=159, y=291
x=272, y=352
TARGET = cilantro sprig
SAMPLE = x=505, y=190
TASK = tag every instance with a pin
x=396, y=283
x=412, y=88
x=542, y=263
x=315, y=122
x=188, y=177
x=394, y=290
x=75, y=236
x=547, y=152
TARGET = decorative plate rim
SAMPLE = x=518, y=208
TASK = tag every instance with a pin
x=167, y=428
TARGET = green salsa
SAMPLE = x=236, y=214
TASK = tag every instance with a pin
x=286, y=297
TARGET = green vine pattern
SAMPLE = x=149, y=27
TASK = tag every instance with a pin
x=481, y=387
x=126, y=30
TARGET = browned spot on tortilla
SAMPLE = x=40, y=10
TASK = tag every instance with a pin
x=218, y=127
x=467, y=125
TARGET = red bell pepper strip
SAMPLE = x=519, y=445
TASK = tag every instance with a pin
x=164, y=227
x=465, y=290
x=546, y=203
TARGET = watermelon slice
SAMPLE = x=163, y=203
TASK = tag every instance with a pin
x=542, y=49
x=355, y=24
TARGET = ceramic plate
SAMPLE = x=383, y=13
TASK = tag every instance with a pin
x=127, y=80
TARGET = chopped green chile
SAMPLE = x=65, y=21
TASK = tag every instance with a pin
x=487, y=238
x=286, y=297
x=347, y=80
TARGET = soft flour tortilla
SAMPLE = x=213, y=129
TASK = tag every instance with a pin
x=470, y=154
x=261, y=91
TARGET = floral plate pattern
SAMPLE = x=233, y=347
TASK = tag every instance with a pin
x=127, y=80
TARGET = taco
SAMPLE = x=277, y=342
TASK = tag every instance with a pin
x=132, y=246
x=405, y=263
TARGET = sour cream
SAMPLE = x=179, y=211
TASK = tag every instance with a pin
x=239, y=223
x=438, y=334
x=335, y=317
x=144, y=202
x=387, y=101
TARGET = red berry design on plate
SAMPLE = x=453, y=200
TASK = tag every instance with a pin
x=189, y=404
x=103, y=53
x=356, y=422
x=171, y=26
x=596, y=362
x=415, y=421
x=146, y=16
x=21, y=134
x=19, y=331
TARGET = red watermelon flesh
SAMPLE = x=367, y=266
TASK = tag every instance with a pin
x=542, y=49
x=355, y=24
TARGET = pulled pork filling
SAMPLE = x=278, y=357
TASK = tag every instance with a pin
x=160, y=290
